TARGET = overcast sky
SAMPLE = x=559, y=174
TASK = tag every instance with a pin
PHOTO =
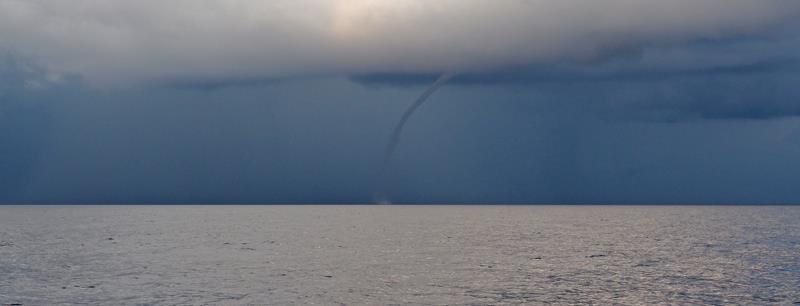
x=293, y=101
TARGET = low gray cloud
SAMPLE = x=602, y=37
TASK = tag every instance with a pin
x=708, y=79
x=206, y=84
x=561, y=74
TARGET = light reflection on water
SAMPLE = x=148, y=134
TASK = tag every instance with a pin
x=399, y=255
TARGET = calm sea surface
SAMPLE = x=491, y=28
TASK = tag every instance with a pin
x=368, y=255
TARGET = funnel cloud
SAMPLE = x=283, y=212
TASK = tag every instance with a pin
x=394, y=139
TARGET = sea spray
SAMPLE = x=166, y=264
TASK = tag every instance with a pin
x=380, y=195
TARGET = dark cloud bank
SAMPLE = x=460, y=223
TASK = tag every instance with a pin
x=692, y=109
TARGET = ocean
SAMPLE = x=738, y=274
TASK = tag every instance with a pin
x=399, y=255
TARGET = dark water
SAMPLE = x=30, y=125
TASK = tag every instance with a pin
x=368, y=255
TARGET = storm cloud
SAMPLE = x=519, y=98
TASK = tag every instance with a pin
x=119, y=42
